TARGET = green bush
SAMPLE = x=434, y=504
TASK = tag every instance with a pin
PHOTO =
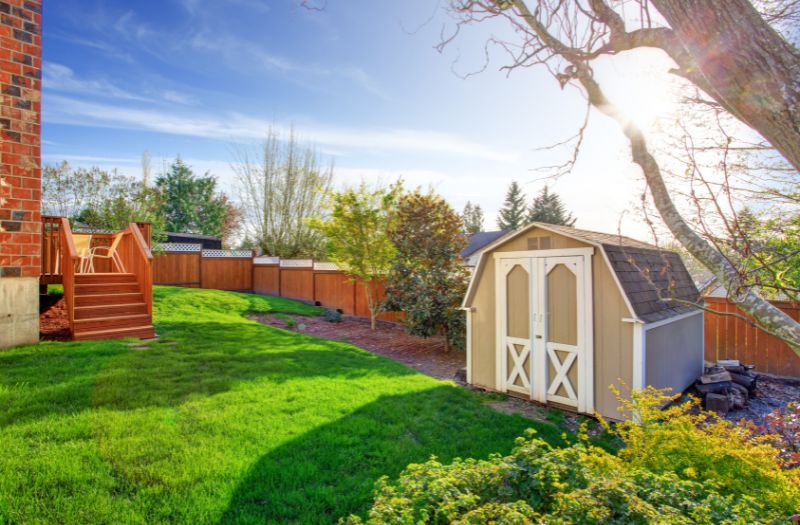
x=333, y=316
x=670, y=471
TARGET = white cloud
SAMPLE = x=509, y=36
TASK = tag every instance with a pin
x=88, y=159
x=61, y=78
x=58, y=77
x=238, y=127
x=235, y=51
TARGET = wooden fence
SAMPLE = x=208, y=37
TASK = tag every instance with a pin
x=729, y=337
x=302, y=279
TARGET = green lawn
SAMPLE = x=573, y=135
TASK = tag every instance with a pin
x=223, y=420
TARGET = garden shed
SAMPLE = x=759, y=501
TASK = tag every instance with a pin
x=557, y=314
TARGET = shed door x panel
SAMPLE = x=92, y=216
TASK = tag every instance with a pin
x=541, y=319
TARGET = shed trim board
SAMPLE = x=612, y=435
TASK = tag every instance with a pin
x=537, y=350
x=469, y=343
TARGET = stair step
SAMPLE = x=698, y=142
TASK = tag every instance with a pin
x=108, y=299
x=102, y=278
x=109, y=310
x=108, y=323
x=105, y=288
x=141, y=332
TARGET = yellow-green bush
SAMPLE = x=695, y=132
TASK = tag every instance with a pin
x=678, y=466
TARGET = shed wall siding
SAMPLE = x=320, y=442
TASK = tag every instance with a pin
x=674, y=353
x=613, y=338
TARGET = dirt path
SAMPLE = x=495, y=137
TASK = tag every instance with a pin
x=425, y=355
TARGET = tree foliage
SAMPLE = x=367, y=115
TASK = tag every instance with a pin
x=679, y=466
x=193, y=204
x=473, y=218
x=427, y=280
x=281, y=187
x=512, y=214
x=357, y=232
x=99, y=199
x=547, y=207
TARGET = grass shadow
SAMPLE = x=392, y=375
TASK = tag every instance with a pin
x=330, y=472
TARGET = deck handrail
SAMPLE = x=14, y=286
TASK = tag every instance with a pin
x=139, y=261
x=69, y=256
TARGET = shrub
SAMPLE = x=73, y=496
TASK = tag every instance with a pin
x=670, y=471
x=333, y=316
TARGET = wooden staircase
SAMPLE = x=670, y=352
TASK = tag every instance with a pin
x=110, y=306
x=102, y=304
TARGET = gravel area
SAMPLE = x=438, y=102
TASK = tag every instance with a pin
x=771, y=393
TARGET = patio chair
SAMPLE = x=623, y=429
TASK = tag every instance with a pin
x=111, y=253
x=83, y=244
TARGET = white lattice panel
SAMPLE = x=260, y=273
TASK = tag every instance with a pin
x=173, y=247
x=325, y=266
x=227, y=253
x=267, y=260
x=297, y=263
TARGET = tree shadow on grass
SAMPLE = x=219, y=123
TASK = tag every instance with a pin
x=199, y=359
x=330, y=472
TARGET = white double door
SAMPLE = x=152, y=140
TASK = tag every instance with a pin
x=544, y=328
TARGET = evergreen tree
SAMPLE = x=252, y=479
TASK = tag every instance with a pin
x=547, y=207
x=512, y=214
x=192, y=204
x=473, y=218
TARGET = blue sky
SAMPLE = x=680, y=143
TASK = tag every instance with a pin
x=361, y=80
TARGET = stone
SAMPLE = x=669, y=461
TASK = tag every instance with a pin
x=717, y=403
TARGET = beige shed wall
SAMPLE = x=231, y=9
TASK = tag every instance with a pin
x=674, y=353
x=613, y=338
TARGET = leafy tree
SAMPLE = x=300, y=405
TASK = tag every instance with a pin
x=512, y=214
x=281, y=187
x=67, y=191
x=473, y=218
x=427, y=280
x=357, y=231
x=769, y=249
x=192, y=204
x=547, y=207
x=680, y=465
x=100, y=199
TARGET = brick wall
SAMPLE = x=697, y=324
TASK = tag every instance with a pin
x=20, y=126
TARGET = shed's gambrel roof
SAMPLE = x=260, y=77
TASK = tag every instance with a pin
x=654, y=281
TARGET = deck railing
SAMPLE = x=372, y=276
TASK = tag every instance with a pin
x=51, y=250
x=138, y=260
x=69, y=259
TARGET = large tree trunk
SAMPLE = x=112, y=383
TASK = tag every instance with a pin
x=740, y=61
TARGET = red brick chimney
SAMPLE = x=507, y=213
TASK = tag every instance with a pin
x=20, y=170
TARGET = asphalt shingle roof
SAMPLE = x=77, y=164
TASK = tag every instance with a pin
x=655, y=280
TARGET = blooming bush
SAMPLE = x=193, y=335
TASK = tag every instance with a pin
x=677, y=466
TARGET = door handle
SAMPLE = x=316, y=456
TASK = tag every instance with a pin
x=538, y=337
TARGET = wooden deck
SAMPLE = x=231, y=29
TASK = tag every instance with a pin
x=115, y=298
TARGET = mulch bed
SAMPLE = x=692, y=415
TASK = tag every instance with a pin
x=53, y=319
x=426, y=355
